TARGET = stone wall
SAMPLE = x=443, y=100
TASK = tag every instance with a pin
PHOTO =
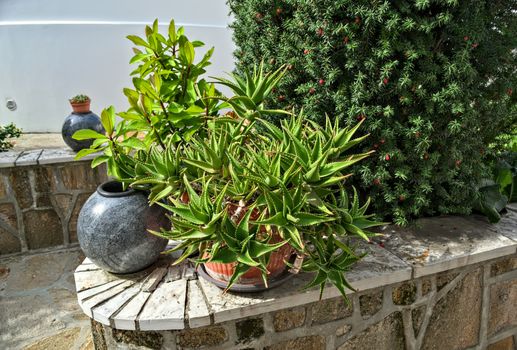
x=41, y=194
x=473, y=307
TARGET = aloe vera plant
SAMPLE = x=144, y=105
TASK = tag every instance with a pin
x=238, y=187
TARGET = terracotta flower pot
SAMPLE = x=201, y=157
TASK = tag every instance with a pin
x=82, y=107
x=276, y=266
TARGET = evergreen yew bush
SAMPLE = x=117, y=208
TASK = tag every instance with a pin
x=432, y=78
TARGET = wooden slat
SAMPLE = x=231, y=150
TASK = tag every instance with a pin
x=88, y=304
x=126, y=317
x=165, y=309
x=196, y=311
x=87, y=293
x=174, y=273
x=152, y=281
x=102, y=313
x=89, y=279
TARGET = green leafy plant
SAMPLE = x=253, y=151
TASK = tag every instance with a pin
x=168, y=104
x=79, y=99
x=237, y=187
x=7, y=132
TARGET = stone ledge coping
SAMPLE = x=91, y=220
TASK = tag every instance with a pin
x=39, y=157
x=166, y=297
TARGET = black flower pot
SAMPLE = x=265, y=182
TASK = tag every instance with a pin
x=112, y=229
x=78, y=121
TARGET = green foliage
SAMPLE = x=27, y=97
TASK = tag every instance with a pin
x=432, y=79
x=79, y=99
x=6, y=132
x=168, y=104
x=237, y=187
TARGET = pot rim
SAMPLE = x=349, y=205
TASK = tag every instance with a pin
x=104, y=190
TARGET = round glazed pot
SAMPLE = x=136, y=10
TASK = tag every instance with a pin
x=112, y=229
x=78, y=121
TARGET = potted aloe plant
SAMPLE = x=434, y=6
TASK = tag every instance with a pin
x=249, y=193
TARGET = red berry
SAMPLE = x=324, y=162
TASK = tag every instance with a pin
x=346, y=39
x=376, y=182
x=426, y=156
x=272, y=61
x=387, y=157
x=466, y=38
x=475, y=45
x=458, y=162
x=375, y=145
x=312, y=91
x=279, y=11
x=402, y=198
x=385, y=81
x=382, y=141
x=319, y=31
x=306, y=51
x=509, y=91
x=273, y=90
x=357, y=20
x=259, y=16
x=281, y=98
x=381, y=244
x=361, y=117
x=289, y=66
x=321, y=82
x=417, y=134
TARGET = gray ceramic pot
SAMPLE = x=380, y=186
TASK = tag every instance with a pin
x=78, y=121
x=112, y=229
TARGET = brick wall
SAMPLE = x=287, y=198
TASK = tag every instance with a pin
x=473, y=307
x=39, y=204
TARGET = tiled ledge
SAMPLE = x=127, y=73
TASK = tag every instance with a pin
x=39, y=157
x=168, y=297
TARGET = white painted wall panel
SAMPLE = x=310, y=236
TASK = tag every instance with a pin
x=51, y=50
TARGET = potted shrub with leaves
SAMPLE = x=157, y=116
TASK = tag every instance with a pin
x=167, y=105
x=80, y=118
x=242, y=193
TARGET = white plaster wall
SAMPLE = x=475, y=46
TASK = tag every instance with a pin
x=51, y=50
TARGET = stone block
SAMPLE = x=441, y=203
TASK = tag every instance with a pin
x=503, y=266
x=8, y=215
x=289, y=319
x=329, y=310
x=503, y=306
x=9, y=243
x=148, y=340
x=370, y=303
x=405, y=294
x=98, y=335
x=3, y=187
x=29, y=157
x=42, y=228
x=455, y=321
x=20, y=183
x=62, y=340
x=200, y=337
x=342, y=330
x=44, y=181
x=505, y=344
x=312, y=342
x=249, y=330
x=387, y=334
x=427, y=286
x=62, y=203
x=72, y=224
x=7, y=159
x=444, y=278
x=418, y=315
x=78, y=176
